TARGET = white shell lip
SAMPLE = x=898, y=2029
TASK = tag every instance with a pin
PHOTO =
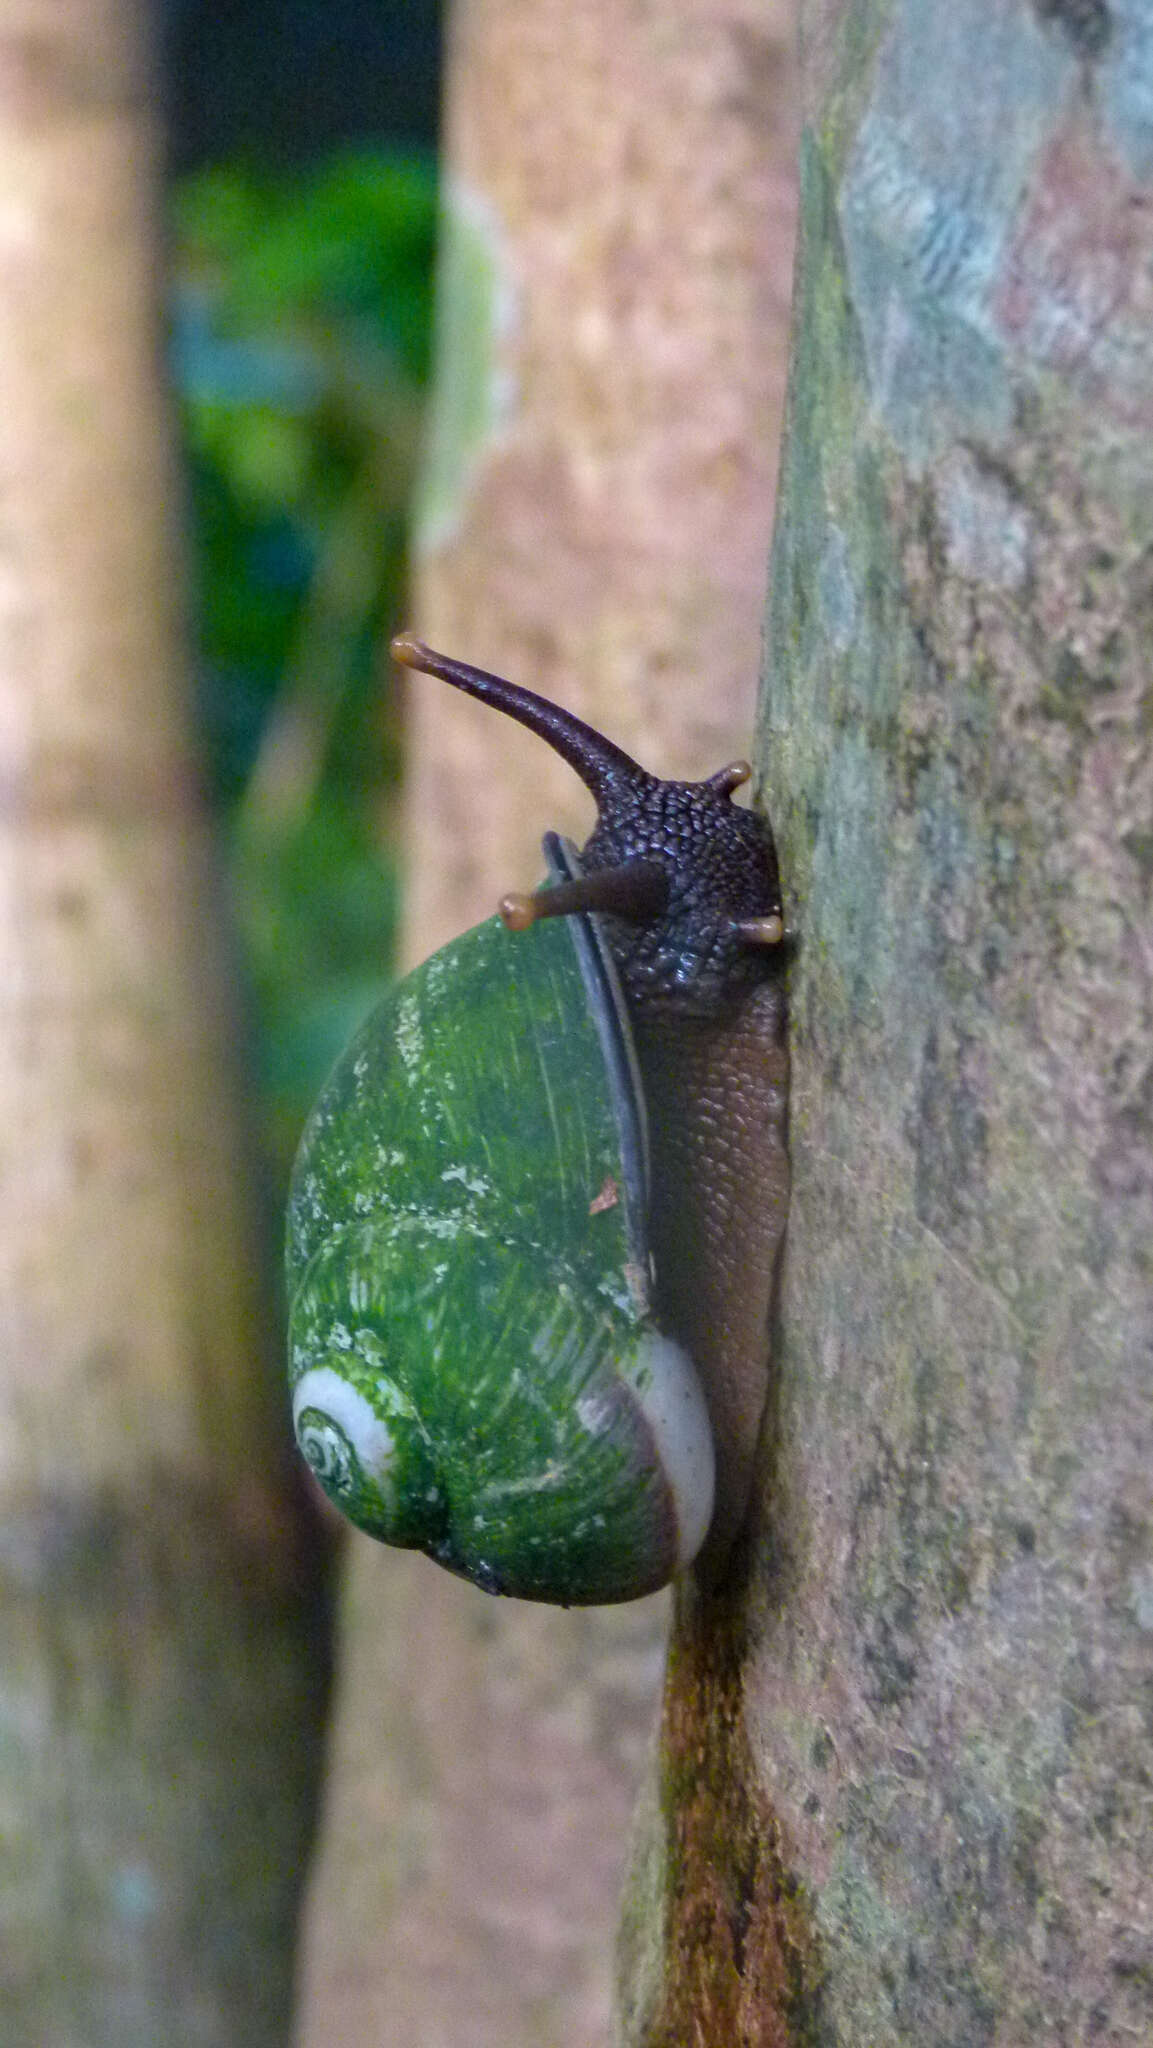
x=326, y=1390
x=668, y=1391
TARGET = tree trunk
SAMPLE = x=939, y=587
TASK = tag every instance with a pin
x=164, y=1665
x=904, y=1787
x=596, y=513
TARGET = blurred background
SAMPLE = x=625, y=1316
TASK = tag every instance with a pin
x=300, y=141
x=261, y=1784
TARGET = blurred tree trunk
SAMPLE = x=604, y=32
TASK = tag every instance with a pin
x=164, y=1663
x=614, y=289
x=904, y=1794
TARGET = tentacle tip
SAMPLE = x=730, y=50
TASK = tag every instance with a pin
x=761, y=931
x=406, y=649
x=732, y=777
x=517, y=912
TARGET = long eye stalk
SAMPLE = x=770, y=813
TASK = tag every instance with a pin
x=600, y=765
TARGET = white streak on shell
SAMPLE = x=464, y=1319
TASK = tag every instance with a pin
x=371, y=1439
x=665, y=1383
x=408, y=1034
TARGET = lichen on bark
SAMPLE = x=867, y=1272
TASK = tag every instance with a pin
x=948, y=1679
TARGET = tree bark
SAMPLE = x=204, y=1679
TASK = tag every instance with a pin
x=164, y=1667
x=904, y=1785
x=595, y=517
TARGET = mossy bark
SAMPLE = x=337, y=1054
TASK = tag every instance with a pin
x=165, y=1656
x=944, y=1623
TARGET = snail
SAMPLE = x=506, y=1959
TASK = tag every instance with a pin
x=535, y=1213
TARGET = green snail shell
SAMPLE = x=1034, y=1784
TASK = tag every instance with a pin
x=475, y=1368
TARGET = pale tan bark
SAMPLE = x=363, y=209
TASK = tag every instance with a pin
x=594, y=524
x=159, y=1690
x=904, y=1794
x=630, y=171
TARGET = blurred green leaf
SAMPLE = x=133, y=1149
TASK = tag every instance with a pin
x=301, y=319
x=317, y=905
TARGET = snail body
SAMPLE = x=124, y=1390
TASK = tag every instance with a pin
x=534, y=1214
